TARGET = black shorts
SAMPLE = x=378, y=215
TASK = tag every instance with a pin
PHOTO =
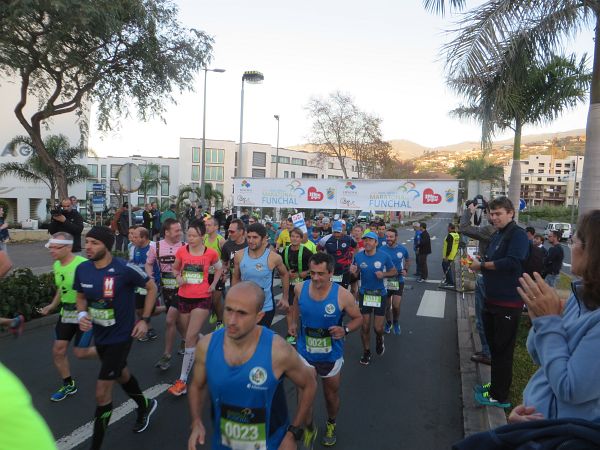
x=346, y=280
x=220, y=284
x=140, y=300
x=366, y=310
x=170, y=298
x=267, y=319
x=396, y=292
x=66, y=332
x=113, y=358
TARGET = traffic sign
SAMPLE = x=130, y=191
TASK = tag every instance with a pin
x=99, y=187
x=98, y=203
x=130, y=177
x=522, y=204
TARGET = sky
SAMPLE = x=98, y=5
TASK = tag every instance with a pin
x=387, y=56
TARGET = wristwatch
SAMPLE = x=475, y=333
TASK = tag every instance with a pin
x=296, y=432
x=146, y=319
x=347, y=331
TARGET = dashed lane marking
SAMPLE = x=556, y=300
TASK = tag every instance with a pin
x=433, y=304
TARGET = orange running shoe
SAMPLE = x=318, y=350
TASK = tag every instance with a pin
x=179, y=388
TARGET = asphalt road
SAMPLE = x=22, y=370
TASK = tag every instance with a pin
x=409, y=398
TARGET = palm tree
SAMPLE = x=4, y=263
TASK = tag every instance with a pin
x=480, y=169
x=152, y=177
x=485, y=34
x=188, y=192
x=35, y=170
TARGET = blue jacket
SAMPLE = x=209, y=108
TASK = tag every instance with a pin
x=508, y=249
x=566, y=349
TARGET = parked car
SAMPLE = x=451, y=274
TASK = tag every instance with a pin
x=565, y=228
x=138, y=217
x=364, y=217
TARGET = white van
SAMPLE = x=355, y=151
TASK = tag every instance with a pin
x=565, y=228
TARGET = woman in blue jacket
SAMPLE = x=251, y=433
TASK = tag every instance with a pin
x=564, y=338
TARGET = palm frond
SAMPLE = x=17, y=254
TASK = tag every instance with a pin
x=439, y=6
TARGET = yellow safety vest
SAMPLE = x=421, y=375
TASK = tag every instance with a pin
x=454, y=250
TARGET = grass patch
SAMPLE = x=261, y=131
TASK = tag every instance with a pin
x=549, y=213
x=523, y=367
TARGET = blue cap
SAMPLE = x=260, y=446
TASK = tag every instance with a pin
x=337, y=226
x=370, y=235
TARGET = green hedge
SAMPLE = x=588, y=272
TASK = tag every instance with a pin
x=23, y=292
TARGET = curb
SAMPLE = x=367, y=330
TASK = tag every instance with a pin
x=34, y=324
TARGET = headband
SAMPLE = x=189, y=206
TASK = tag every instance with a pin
x=58, y=241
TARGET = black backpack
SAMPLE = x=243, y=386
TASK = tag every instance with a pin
x=535, y=258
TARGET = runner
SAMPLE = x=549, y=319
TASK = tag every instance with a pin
x=341, y=247
x=15, y=325
x=398, y=253
x=212, y=239
x=381, y=230
x=373, y=266
x=248, y=415
x=321, y=307
x=308, y=243
x=141, y=245
x=105, y=297
x=283, y=240
x=295, y=258
x=191, y=267
x=165, y=251
x=237, y=241
x=257, y=263
x=65, y=262
x=357, y=234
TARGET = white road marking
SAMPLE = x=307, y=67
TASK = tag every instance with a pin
x=85, y=432
x=433, y=304
x=566, y=264
x=433, y=238
x=278, y=318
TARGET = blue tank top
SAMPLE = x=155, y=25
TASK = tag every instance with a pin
x=315, y=344
x=140, y=256
x=257, y=270
x=249, y=405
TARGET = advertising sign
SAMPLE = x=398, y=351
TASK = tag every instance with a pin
x=299, y=222
x=372, y=195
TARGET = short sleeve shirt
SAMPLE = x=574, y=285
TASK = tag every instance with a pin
x=368, y=265
x=399, y=256
x=110, y=290
x=194, y=271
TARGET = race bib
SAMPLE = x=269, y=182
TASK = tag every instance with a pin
x=295, y=281
x=243, y=428
x=193, y=274
x=318, y=340
x=337, y=278
x=392, y=284
x=69, y=313
x=103, y=317
x=168, y=280
x=372, y=300
x=141, y=291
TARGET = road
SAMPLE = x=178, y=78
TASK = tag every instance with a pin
x=408, y=398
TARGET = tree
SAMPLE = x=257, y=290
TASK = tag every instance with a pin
x=521, y=89
x=188, y=193
x=480, y=169
x=152, y=178
x=68, y=53
x=34, y=169
x=341, y=130
x=485, y=34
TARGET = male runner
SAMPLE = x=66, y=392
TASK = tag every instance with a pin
x=257, y=263
x=15, y=325
x=398, y=253
x=341, y=247
x=283, y=240
x=237, y=241
x=192, y=265
x=242, y=366
x=373, y=266
x=67, y=327
x=295, y=258
x=357, y=234
x=105, y=297
x=212, y=239
x=164, y=252
x=381, y=230
x=321, y=307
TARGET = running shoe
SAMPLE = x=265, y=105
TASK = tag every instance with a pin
x=64, y=391
x=213, y=317
x=152, y=334
x=330, y=438
x=397, y=329
x=290, y=339
x=379, y=346
x=366, y=358
x=309, y=437
x=219, y=325
x=143, y=419
x=481, y=388
x=17, y=325
x=144, y=338
x=388, y=327
x=485, y=399
x=181, y=350
x=179, y=388
x=164, y=362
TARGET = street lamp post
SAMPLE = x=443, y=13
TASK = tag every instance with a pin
x=203, y=156
x=251, y=77
x=277, y=154
x=574, y=189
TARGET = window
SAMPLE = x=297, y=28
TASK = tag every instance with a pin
x=93, y=170
x=541, y=164
x=214, y=156
x=526, y=178
x=299, y=161
x=550, y=179
x=557, y=172
x=114, y=170
x=567, y=172
x=103, y=171
x=152, y=190
x=213, y=173
x=273, y=158
x=539, y=179
x=140, y=201
x=284, y=159
x=164, y=188
x=330, y=165
x=195, y=155
x=258, y=173
x=196, y=173
x=259, y=159
x=114, y=201
x=89, y=185
x=334, y=177
x=309, y=175
x=220, y=187
x=286, y=174
x=530, y=171
x=540, y=170
x=558, y=165
x=292, y=174
x=164, y=171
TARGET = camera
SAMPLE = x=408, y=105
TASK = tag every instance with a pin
x=478, y=201
x=56, y=211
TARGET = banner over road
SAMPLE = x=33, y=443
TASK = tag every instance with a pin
x=376, y=195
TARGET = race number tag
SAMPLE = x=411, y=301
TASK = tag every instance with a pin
x=102, y=314
x=243, y=428
x=108, y=287
x=392, y=284
x=168, y=280
x=295, y=281
x=337, y=278
x=69, y=313
x=193, y=274
x=372, y=299
x=141, y=291
x=318, y=340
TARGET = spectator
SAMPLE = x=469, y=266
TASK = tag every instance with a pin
x=449, y=252
x=483, y=234
x=156, y=221
x=122, y=238
x=68, y=220
x=4, y=236
x=538, y=241
x=170, y=213
x=190, y=213
x=564, y=338
x=554, y=259
x=75, y=203
x=228, y=218
x=423, y=250
x=147, y=216
x=530, y=233
x=245, y=217
x=416, y=239
x=501, y=268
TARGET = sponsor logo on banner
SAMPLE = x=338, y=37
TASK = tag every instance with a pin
x=296, y=187
x=314, y=195
x=430, y=197
x=330, y=193
x=449, y=194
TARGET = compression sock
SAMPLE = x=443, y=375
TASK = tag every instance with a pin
x=67, y=381
x=132, y=388
x=101, y=420
x=330, y=420
x=188, y=362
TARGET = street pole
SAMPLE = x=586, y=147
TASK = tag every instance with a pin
x=240, y=172
x=277, y=210
x=129, y=193
x=574, y=189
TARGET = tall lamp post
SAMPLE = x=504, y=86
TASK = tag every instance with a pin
x=203, y=156
x=277, y=154
x=574, y=189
